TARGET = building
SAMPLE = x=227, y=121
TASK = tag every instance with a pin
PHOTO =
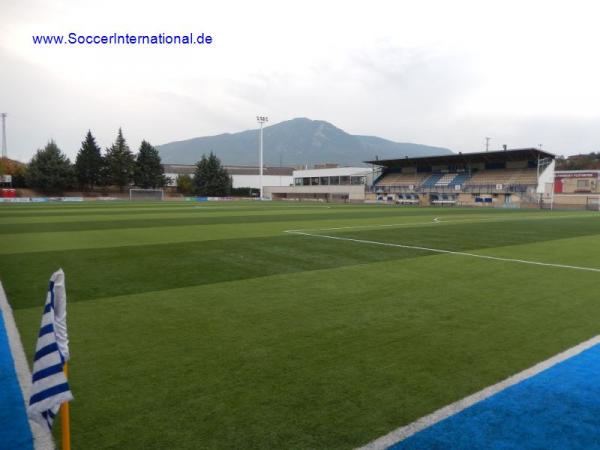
x=505, y=178
x=242, y=176
x=325, y=184
x=576, y=189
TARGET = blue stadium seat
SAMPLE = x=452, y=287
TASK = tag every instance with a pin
x=430, y=182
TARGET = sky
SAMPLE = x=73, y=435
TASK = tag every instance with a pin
x=525, y=73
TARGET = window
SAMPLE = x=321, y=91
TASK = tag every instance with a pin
x=324, y=181
x=298, y=181
x=314, y=181
x=305, y=181
x=344, y=180
x=334, y=180
x=357, y=180
x=583, y=184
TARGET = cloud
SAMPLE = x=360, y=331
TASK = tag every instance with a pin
x=430, y=72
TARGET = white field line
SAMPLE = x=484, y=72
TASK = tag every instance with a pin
x=404, y=432
x=448, y=252
x=437, y=220
x=42, y=438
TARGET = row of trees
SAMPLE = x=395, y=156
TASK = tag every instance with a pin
x=589, y=161
x=50, y=170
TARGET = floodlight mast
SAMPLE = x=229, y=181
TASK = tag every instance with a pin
x=4, y=150
x=261, y=120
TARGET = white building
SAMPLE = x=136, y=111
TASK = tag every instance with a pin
x=326, y=184
x=242, y=176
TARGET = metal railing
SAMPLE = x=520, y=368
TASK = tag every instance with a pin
x=475, y=189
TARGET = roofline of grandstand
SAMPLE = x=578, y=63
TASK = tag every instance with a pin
x=509, y=154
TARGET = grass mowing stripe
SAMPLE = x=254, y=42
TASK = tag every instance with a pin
x=8, y=210
x=139, y=215
x=478, y=235
x=85, y=212
x=108, y=272
x=171, y=222
x=436, y=221
x=449, y=252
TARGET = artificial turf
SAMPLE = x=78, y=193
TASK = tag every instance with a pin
x=209, y=326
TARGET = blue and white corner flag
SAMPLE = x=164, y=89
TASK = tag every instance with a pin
x=50, y=387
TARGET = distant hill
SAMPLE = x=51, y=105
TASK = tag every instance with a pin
x=293, y=142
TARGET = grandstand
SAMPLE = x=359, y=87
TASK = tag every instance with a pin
x=497, y=178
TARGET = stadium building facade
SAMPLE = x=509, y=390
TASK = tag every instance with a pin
x=577, y=189
x=506, y=178
x=242, y=176
x=325, y=184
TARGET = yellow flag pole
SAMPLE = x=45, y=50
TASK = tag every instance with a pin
x=65, y=418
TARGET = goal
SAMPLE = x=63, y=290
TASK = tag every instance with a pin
x=146, y=194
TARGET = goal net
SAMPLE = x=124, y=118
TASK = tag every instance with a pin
x=146, y=194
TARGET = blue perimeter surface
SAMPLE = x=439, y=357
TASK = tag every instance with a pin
x=556, y=409
x=15, y=433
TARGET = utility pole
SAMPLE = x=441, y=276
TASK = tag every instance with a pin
x=4, y=150
x=261, y=120
x=487, y=144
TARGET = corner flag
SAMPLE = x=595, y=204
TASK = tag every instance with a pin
x=50, y=387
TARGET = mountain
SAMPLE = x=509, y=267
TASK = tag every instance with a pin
x=293, y=142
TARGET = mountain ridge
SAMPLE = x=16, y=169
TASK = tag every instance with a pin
x=299, y=141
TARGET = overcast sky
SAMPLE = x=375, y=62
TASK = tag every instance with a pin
x=446, y=73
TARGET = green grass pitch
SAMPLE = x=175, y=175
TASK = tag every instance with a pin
x=208, y=326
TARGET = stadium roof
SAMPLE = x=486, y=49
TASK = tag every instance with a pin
x=517, y=154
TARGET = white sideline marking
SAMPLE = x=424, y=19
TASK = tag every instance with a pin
x=404, y=432
x=448, y=252
x=42, y=438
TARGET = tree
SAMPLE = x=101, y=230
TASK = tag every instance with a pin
x=211, y=178
x=50, y=170
x=88, y=164
x=16, y=169
x=120, y=163
x=149, y=172
x=19, y=176
x=185, y=184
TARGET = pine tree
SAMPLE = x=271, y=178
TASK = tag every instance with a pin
x=149, y=171
x=88, y=164
x=50, y=170
x=211, y=178
x=120, y=163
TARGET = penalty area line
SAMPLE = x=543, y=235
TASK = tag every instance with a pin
x=447, y=252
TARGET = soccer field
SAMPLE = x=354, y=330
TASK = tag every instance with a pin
x=294, y=326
